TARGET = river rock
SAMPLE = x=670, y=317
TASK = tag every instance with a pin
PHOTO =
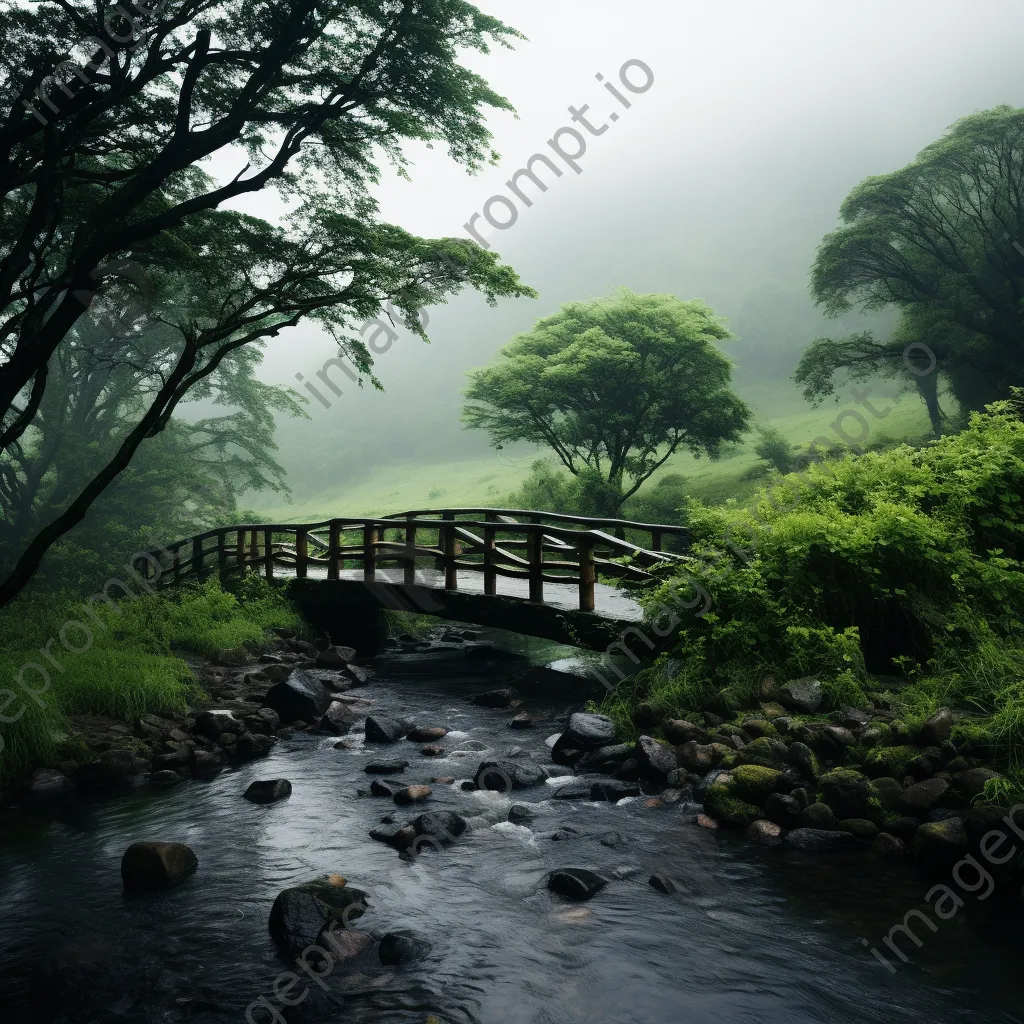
x=150, y=865
x=888, y=791
x=234, y=657
x=859, y=827
x=604, y=758
x=937, y=728
x=383, y=730
x=767, y=832
x=519, y=814
x=697, y=757
x=444, y=826
x=251, y=745
x=335, y=657
x=426, y=734
x=401, y=947
x=903, y=828
x=268, y=791
x=301, y=914
x=588, y=731
x=783, y=810
x=656, y=759
x=432, y=750
x=341, y=716
x=919, y=799
x=662, y=883
x=112, y=768
x=401, y=837
x=412, y=794
x=851, y=795
x=804, y=695
x=679, y=731
x=524, y=720
x=575, y=789
x=503, y=698
x=264, y=720
x=507, y=775
x=576, y=883
x=164, y=779
x=210, y=724
x=565, y=754
x=816, y=840
x=613, y=791
x=889, y=849
x=971, y=783
x=939, y=844
x=47, y=783
x=818, y=816
x=379, y=787
x=299, y=698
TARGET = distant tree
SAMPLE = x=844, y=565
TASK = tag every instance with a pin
x=940, y=241
x=614, y=387
x=774, y=448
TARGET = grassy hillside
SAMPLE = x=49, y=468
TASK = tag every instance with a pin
x=395, y=487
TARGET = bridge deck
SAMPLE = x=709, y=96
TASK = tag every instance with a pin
x=609, y=601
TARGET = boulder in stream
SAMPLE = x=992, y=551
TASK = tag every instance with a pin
x=301, y=914
x=576, y=883
x=299, y=698
x=380, y=729
x=505, y=775
x=268, y=791
x=154, y=865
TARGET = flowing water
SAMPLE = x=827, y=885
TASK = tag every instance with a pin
x=753, y=934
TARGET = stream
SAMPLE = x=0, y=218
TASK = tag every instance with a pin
x=753, y=934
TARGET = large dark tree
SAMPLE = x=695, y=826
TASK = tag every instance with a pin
x=941, y=241
x=614, y=388
x=103, y=199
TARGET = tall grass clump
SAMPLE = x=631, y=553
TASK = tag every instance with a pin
x=130, y=664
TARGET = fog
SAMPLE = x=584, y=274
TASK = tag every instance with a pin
x=718, y=182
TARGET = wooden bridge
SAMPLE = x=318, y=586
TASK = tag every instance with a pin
x=531, y=572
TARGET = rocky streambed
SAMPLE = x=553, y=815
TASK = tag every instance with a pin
x=440, y=834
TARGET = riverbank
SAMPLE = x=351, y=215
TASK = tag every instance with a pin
x=488, y=917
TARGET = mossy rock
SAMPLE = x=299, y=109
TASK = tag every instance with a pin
x=765, y=751
x=899, y=732
x=851, y=795
x=972, y=739
x=759, y=727
x=892, y=761
x=725, y=805
x=754, y=782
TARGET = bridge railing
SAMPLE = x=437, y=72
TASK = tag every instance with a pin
x=538, y=547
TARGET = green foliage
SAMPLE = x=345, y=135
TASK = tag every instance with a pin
x=774, y=448
x=614, y=387
x=128, y=667
x=907, y=560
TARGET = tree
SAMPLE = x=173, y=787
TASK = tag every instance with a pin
x=614, y=387
x=938, y=241
x=98, y=172
x=774, y=448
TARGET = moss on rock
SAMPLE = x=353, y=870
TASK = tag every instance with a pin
x=725, y=805
x=851, y=795
x=892, y=761
x=753, y=782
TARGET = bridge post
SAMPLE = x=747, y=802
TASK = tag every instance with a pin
x=197, y=557
x=222, y=553
x=369, y=553
x=490, y=574
x=333, y=553
x=254, y=550
x=535, y=554
x=655, y=540
x=588, y=576
x=451, y=546
x=268, y=554
x=301, y=552
x=240, y=548
x=410, y=552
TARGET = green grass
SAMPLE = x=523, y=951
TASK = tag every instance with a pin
x=397, y=487
x=128, y=668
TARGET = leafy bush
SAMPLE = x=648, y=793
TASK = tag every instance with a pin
x=905, y=561
x=774, y=448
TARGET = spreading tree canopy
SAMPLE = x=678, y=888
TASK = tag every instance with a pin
x=613, y=388
x=942, y=241
x=106, y=113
